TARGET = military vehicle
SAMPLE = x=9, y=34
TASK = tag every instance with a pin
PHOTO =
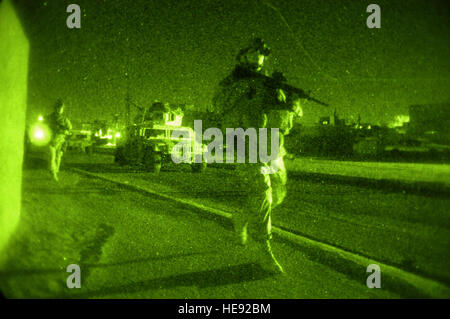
x=152, y=145
x=149, y=142
x=80, y=140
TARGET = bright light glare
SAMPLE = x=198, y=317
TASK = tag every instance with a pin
x=117, y=134
x=39, y=134
x=399, y=121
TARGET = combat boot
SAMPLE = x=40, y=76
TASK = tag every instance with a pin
x=266, y=258
x=243, y=235
x=240, y=229
x=54, y=175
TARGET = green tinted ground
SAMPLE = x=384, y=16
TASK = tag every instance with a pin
x=130, y=245
x=410, y=231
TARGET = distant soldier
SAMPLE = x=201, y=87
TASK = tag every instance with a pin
x=60, y=126
x=245, y=101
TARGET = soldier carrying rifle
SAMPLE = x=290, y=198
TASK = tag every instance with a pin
x=248, y=98
x=60, y=127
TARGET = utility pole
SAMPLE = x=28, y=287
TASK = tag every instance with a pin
x=127, y=101
x=127, y=75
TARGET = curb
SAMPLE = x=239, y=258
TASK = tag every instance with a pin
x=432, y=189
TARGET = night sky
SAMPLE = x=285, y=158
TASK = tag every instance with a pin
x=178, y=51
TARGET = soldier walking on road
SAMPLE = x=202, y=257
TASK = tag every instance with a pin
x=60, y=127
x=245, y=101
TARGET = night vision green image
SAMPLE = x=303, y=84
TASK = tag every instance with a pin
x=225, y=149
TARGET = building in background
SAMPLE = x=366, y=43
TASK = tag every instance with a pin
x=430, y=120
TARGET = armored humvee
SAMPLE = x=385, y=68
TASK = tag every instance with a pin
x=152, y=145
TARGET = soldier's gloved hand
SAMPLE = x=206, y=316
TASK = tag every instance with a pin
x=281, y=96
x=297, y=108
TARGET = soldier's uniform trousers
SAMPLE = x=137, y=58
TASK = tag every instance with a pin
x=259, y=192
x=56, y=152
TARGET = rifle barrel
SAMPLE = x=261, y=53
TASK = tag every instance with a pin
x=287, y=87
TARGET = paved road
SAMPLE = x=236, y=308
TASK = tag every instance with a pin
x=130, y=245
x=411, y=172
x=407, y=230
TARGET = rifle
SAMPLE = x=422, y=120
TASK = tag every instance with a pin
x=276, y=81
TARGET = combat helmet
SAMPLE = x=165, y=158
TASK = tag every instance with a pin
x=58, y=104
x=247, y=56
